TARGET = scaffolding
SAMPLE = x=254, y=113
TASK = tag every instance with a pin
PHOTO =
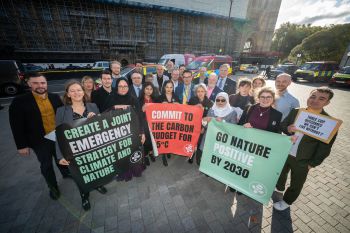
x=91, y=30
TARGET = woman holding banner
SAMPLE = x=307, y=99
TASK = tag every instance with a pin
x=167, y=96
x=264, y=117
x=200, y=99
x=148, y=95
x=76, y=107
x=221, y=111
x=123, y=99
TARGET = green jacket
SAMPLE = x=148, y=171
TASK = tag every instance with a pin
x=310, y=151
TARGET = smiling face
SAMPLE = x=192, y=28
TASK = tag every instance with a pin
x=200, y=93
x=187, y=77
x=175, y=75
x=244, y=90
x=76, y=93
x=223, y=71
x=265, y=99
x=38, y=85
x=212, y=79
x=106, y=80
x=257, y=83
x=136, y=79
x=282, y=82
x=220, y=102
x=123, y=87
x=318, y=100
x=88, y=84
x=169, y=87
x=115, y=68
x=148, y=90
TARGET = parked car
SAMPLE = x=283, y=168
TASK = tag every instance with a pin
x=33, y=68
x=11, y=77
x=251, y=70
x=72, y=67
x=316, y=71
x=341, y=77
x=285, y=68
x=101, y=65
x=178, y=59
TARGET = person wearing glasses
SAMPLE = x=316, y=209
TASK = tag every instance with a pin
x=264, y=117
x=221, y=111
x=76, y=107
x=123, y=99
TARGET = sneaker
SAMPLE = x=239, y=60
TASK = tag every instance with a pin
x=101, y=190
x=281, y=205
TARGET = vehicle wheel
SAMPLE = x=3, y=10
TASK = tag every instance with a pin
x=10, y=89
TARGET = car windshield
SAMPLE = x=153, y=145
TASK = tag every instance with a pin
x=196, y=64
x=345, y=70
x=310, y=66
x=163, y=61
x=125, y=71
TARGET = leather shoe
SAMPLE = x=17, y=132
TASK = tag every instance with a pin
x=153, y=159
x=101, y=190
x=85, y=202
x=190, y=160
x=165, y=162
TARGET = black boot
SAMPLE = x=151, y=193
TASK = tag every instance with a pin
x=190, y=160
x=153, y=159
x=85, y=201
x=165, y=162
x=198, y=157
x=147, y=161
x=169, y=156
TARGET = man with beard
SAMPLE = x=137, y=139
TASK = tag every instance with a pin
x=115, y=67
x=32, y=116
x=285, y=102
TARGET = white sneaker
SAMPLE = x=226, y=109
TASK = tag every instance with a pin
x=280, y=205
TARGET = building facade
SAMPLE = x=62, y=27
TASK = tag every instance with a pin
x=79, y=30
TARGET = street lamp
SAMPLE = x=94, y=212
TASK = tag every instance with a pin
x=298, y=56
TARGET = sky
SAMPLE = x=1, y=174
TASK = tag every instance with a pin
x=315, y=12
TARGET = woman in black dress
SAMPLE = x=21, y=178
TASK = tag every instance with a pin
x=123, y=99
x=167, y=96
x=148, y=95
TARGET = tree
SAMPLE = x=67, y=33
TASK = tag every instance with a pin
x=328, y=44
x=290, y=35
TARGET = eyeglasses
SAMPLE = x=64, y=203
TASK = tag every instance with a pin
x=123, y=87
x=220, y=100
x=265, y=97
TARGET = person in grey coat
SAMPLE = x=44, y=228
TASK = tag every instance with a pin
x=76, y=107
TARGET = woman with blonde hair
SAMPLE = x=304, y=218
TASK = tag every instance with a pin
x=89, y=85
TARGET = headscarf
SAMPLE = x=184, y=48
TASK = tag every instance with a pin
x=222, y=111
x=126, y=99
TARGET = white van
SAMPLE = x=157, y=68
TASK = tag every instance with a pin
x=178, y=59
x=102, y=65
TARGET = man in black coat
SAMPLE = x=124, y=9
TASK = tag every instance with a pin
x=32, y=116
x=224, y=83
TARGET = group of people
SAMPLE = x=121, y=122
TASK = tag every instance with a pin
x=248, y=103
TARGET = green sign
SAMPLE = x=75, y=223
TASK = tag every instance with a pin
x=249, y=160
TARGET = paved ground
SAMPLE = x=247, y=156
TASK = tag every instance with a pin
x=177, y=198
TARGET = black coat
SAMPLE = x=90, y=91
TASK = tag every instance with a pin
x=230, y=86
x=274, y=120
x=26, y=122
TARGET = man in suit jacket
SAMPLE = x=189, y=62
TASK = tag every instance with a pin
x=224, y=83
x=184, y=91
x=136, y=86
x=213, y=90
x=32, y=116
x=306, y=152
